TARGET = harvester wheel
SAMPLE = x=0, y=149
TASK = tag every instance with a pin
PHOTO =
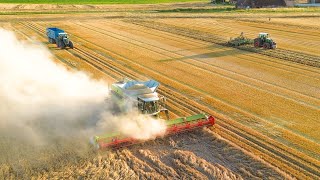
x=266, y=46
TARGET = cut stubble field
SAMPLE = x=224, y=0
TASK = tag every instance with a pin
x=274, y=104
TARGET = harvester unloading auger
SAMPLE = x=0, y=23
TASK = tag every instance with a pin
x=143, y=95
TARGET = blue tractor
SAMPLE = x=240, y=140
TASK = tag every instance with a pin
x=59, y=37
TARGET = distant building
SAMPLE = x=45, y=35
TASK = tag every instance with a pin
x=273, y=3
x=263, y=3
x=313, y=1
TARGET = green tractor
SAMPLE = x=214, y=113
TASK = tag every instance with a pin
x=264, y=41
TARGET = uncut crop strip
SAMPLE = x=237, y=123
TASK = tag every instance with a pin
x=95, y=28
x=111, y=34
x=197, y=43
x=278, y=53
x=201, y=65
x=236, y=128
x=223, y=42
x=284, y=54
x=228, y=28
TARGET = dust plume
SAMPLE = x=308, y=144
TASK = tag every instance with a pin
x=42, y=104
x=134, y=125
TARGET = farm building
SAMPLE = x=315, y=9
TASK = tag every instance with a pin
x=314, y=1
x=273, y=3
x=263, y=3
x=307, y=1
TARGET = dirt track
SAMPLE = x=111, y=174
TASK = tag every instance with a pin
x=266, y=98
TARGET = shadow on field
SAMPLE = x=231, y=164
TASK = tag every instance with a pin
x=214, y=54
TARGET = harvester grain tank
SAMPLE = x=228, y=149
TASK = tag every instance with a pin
x=263, y=40
x=143, y=96
x=140, y=94
x=59, y=37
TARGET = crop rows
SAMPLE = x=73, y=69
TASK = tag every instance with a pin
x=138, y=163
x=229, y=130
x=284, y=54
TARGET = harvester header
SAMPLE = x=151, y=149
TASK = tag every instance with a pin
x=117, y=140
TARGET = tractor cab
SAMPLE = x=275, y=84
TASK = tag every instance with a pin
x=263, y=40
x=64, y=37
x=263, y=35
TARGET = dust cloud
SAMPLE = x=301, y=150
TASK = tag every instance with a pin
x=46, y=108
x=139, y=126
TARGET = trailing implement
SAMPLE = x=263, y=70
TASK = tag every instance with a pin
x=117, y=140
x=240, y=40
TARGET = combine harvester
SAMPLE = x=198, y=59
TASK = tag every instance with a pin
x=144, y=97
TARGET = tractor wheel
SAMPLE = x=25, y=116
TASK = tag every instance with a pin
x=62, y=45
x=71, y=44
x=256, y=43
x=266, y=46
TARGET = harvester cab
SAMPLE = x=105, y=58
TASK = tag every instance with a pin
x=263, y=40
